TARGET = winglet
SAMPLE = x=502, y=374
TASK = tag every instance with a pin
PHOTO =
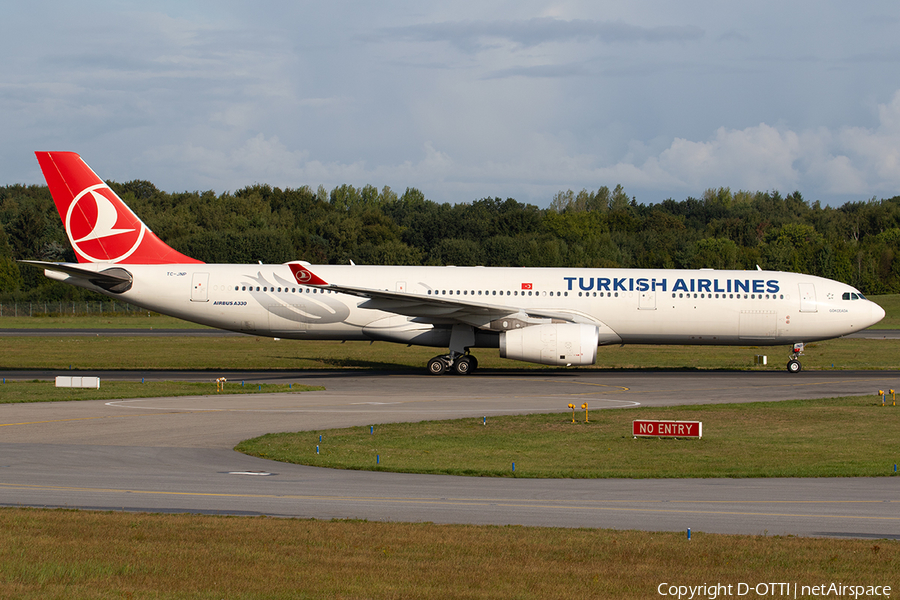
x=304, y=276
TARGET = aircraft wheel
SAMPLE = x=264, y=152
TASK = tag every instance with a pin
x=794, y=366
x=464, y=365
x=437, y=366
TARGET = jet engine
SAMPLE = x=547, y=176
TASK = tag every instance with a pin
x=552, y=344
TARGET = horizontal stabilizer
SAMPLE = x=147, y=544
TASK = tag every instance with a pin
x=115, y=279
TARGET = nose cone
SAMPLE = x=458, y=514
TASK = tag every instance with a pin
x=876, y=313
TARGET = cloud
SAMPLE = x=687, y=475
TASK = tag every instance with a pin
x=546, y=96
x=474, y=36
x=543, y=71
x=851, y=161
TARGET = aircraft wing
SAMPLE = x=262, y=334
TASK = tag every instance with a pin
x=436, y=309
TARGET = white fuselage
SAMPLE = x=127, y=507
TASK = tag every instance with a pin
x=631, y=306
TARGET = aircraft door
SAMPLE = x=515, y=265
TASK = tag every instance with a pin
x=199, y=287
x=808, y=297
x=647, y=300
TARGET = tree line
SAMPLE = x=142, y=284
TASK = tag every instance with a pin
x=857, y=243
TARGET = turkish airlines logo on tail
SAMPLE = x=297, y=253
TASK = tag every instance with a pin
x=100, y=227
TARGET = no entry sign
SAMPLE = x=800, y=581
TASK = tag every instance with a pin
x=647, y=428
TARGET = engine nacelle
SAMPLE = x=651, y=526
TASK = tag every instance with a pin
x=552, y=344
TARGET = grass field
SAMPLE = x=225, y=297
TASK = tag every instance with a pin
x=12, y=392
x=66, y=554
x=105, y=321
x=244, y=352
x=775, y=439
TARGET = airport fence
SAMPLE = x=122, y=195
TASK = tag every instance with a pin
x=53, y=309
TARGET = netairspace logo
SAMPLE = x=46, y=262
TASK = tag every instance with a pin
x=772, y=590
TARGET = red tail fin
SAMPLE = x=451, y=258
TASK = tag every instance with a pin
x=101, y=228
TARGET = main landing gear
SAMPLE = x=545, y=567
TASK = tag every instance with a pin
x=794, y=365
x=461, y=364
x=459, y=361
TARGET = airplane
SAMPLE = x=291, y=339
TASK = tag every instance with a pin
x=550, y=316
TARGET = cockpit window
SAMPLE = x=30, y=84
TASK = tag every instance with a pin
x=852, y=296
x=845, y=296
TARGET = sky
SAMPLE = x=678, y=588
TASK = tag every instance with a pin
x=460, y=99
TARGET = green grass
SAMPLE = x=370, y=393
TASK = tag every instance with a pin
x=136, y=320
x=244, y=352
x=838, y=437
x=68, y=554
x=12, y=392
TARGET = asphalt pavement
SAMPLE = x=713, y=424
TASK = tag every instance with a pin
x=174, y=454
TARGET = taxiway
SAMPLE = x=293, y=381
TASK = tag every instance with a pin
x=174, y=454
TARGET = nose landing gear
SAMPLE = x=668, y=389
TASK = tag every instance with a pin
x=794, y=365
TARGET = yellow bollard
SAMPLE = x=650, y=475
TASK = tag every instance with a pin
x=893, y=398
x=220, y=384
x=584, y=406
x=572, y=406
x=881, y=393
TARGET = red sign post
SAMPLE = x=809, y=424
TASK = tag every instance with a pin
x=681, y=429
